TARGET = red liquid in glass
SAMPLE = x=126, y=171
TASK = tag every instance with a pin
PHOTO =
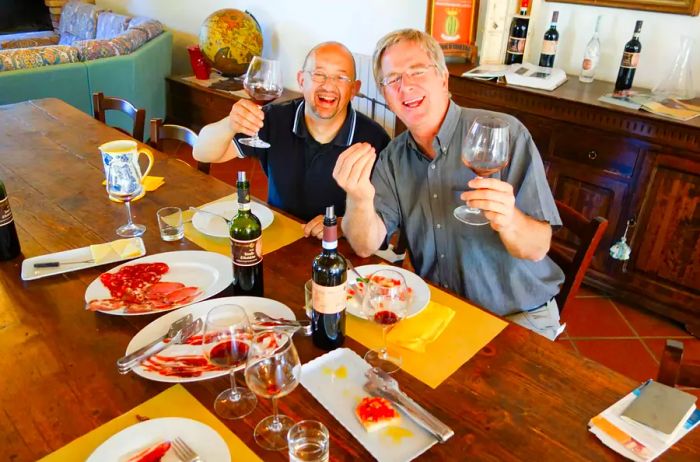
x=229, y=353
x=386, y=317
x=262, y=95
x=485, y=169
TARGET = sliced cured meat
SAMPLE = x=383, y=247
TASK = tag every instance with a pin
x=179, y=366
x=184, y=295
x=138, y=307
x=151, y=454
x=105, y=304
x=161, y=289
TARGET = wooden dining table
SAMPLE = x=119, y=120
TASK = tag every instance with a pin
x=521, y=397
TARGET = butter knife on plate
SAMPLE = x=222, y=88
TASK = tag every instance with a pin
x=383, y=385
x=179, y=331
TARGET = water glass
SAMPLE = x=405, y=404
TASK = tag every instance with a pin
x=170, y=223
x=308, y=442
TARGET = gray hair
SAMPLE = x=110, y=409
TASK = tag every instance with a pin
x=425, y=41
x=312, y=52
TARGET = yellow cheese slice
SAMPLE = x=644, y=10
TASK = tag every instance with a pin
x=115, y=250
x=102, y=253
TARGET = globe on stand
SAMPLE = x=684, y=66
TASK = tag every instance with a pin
x=229, y=39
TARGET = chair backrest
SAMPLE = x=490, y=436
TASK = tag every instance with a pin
x=678, y=369
x=161, y=132
x=589, y=233
x=101, y=104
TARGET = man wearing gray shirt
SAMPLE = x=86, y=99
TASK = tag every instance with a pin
x=419, y=179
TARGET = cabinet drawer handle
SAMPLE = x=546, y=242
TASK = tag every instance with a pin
x=592, y=154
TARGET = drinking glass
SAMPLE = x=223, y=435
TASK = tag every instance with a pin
x=485, y=151
x=385, y=302
x=263, y=82
x=308, y=442
x=124, y=184
x=273, y=371
x=170, y=223
x=226, y=343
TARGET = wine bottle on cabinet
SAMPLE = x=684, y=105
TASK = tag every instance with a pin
x=591, y=57
x=9, y=242
x=329, y=274
x=517, y=36
x=246, y=245
x=549, y=45
x=630, y=59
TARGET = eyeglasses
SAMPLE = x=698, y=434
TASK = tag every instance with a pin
x=415, y=74
x=321, y=77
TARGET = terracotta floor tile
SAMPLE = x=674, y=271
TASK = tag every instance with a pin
x=656, y=345
x=587, y=292
x=594, y=317
x=647, y=324
x=628, y=357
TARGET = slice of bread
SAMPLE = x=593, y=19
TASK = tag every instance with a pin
x=376, y=413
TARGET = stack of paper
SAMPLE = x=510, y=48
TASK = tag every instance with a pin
x=669, y=415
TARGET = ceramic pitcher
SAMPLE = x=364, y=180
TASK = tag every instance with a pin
x=125, y=149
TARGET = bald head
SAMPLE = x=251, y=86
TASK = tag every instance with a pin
x=330, y=48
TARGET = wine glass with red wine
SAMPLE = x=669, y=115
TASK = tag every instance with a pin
x=263, y=82
x=273, y=370
x=226, y=343
x=385, y=302
x=486, y=150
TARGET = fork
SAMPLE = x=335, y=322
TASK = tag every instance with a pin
x=184, y=452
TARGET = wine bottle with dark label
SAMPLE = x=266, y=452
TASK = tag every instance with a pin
x=549, y=45
x=517, y=37
x=630, y=59
x=329, y=275
x=246, y=245
x=9, y=242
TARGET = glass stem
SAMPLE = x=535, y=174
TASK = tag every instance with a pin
x=276, y=425
x=235, y=395
x=128, y=213
x=383, y=350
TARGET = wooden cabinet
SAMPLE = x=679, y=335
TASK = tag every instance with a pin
x=622, y=165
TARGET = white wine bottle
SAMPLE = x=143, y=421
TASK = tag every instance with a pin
x=591, y=57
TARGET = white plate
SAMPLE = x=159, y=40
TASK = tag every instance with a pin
x=421, y=291
x=216, y=227
x=210, y=271
x=341, y=393
x=203, y=439
x=30, y=273
x=161, y=325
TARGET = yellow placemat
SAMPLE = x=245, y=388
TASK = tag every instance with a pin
x=283, y=231
x=173, y=402
x=468, y=332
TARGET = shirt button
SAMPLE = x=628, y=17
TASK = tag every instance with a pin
x=442, y=255
x=432, y=166
x=445, y=286
x=438, y=226
x=434, y=196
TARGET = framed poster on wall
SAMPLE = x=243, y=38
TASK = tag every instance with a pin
x=689, y=7
x=453, y=24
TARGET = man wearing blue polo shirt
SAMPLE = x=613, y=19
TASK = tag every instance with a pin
x=306, y=136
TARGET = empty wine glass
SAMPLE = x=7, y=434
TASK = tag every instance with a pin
x=385, y=302
x=226, y=343
x=273, y=370
x=263, y=82
x=124, y=184
x=485, y=151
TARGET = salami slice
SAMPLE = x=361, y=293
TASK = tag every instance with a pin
x=105, y=304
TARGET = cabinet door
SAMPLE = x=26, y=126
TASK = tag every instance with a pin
x=666, y=241
x=592, y=194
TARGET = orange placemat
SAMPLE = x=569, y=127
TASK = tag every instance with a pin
x=468, y=332
x=173, y=402
x=283, y=231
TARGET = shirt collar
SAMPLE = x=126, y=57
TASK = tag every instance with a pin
x=345, y=135
x=445, y=133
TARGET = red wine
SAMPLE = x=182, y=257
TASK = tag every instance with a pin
x=246, y=245
x=485, y=169
x=262, y=95
x=630, y=59
x=229, y=353
x=518, y=35
x=386, y=317
x=9, y=242
x=549, y=46
x=329, y=273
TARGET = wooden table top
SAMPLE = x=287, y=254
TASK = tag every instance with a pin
x=521, y=398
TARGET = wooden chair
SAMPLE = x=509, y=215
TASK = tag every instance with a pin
x=161, y=132
x=101, y=104
x=589, y=233
x=677, y=368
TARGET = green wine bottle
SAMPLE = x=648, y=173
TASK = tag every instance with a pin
x=246, y=245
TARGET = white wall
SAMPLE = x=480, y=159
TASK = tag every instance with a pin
x=291, y=27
